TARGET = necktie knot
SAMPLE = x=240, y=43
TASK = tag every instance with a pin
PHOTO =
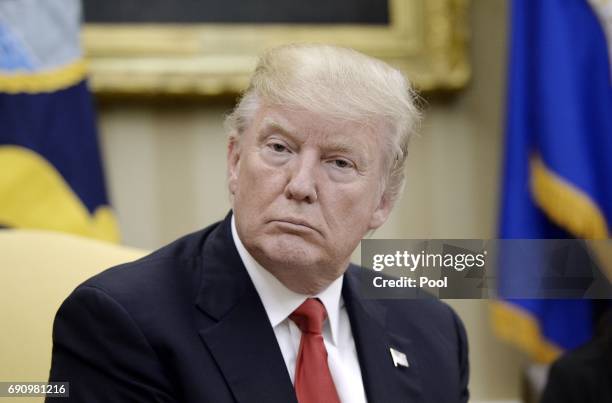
x=309, y=316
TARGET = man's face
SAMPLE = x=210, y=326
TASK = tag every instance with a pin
x=305, y=191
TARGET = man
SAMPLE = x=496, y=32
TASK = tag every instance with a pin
x=265, y=306
x=584, y=375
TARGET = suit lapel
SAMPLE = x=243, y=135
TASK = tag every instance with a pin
x=240, y=339
x=383, y=382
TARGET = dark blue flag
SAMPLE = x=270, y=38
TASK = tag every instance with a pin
x=50, y=169
x=558, y=164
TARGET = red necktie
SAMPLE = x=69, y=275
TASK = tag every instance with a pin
x=313, y=381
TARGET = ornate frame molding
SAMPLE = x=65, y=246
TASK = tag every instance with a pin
x=426, y=39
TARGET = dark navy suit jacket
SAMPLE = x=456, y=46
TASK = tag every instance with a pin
x=185, y=324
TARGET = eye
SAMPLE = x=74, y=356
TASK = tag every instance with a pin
x=342, y=163
x=278, y=147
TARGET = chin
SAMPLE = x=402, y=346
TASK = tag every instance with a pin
x=290, y=251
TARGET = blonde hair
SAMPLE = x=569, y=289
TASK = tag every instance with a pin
x=338, y=83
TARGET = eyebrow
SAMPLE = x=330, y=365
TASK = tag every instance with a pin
x=341, y=147
x=269, y=124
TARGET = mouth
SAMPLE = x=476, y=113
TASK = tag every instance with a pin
x=295, y=224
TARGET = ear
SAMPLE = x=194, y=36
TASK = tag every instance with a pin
x=233, y=163
x=381, y=213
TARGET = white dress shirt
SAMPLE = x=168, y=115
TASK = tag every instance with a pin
x=279, y=302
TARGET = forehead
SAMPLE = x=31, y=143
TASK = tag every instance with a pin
x=306, y=125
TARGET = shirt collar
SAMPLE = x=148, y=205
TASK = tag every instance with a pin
x=279, y=301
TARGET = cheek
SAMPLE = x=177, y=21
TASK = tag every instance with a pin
x=359, y=204
x=350, y=207
x=259, y=182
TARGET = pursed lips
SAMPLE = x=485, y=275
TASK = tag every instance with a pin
x=297, y=222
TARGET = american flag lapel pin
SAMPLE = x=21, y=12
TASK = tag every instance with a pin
x=399, y=358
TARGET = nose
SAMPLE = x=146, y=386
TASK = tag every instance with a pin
x=302, y=184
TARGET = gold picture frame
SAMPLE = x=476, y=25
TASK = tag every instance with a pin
x=426, y=39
